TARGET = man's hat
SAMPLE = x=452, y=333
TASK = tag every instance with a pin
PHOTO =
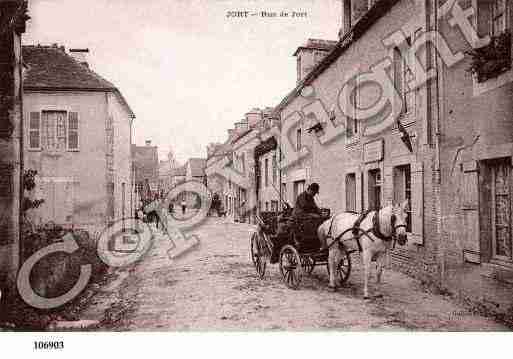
x=314, y=187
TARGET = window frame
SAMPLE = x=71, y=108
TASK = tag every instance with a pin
x=406, y=182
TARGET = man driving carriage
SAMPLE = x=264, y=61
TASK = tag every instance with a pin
x=305, y=211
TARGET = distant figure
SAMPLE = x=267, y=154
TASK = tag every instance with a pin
x=184, y=206
x=171, y=207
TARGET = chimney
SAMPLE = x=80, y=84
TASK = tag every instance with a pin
x=80, y=56
x=253, y=117
x=148, y=142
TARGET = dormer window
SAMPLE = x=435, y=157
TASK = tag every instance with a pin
x=353, y=10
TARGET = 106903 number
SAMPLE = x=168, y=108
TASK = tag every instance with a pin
x=43, y=345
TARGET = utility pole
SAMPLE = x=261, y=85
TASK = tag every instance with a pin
x=13, y=15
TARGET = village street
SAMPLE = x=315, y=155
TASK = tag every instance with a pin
x=215, y=287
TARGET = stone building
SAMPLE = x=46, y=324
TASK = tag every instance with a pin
x=240, y=188
x=13, y=15
x=146, y=170
x=447, y=151
x=78, y=138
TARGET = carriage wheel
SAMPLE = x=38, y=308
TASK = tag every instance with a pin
x=290, y=266
x=258, y=255
x=343, y=268
x=308, y=264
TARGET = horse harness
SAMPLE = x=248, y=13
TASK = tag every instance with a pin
x=375, y=230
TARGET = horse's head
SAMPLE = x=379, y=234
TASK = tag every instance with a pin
x=399, y=215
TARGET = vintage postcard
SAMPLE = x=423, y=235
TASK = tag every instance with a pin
x=255, y=166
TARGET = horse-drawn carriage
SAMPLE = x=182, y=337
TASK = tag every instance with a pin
x=297, y=249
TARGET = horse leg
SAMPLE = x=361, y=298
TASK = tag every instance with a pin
x=332, y=265
x=379, y=271
x=379, y=267
x=367, y=257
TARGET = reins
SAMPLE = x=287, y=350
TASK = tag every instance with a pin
x=375, y=230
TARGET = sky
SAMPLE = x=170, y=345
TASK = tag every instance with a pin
x=187, y=70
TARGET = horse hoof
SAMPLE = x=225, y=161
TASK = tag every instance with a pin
x=332, y=289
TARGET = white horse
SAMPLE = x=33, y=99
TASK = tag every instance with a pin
x=378, y=232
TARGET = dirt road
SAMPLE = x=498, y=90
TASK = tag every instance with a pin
x=215, y=287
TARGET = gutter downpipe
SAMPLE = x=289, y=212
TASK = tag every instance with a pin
x=438, y=177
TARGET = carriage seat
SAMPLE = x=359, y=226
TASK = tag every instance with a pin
x=305, y=233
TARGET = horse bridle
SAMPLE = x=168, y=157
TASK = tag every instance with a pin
x=393, y=219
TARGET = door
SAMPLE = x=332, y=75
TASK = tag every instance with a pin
x=375, y=189
x=501, y=209
x=299, y=187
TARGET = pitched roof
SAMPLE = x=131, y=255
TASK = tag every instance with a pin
x=317, y=44
x=197, y=166
x=51, y=68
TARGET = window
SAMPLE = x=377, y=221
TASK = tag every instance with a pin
x=53, y=131
x=318, y=56
x=243, y=162
x=266, y=172
x=298, y=139
x=267, y=206
x=352, y=121
x=35, y=131
x=358, y=9
x=497, y=17
x=299, y=187
x=404, y=75
x=110, y=200
x=261, y=174
x=351, y=192
x=275, y=169
x=375, y=189
x=284, y=191
x=402, y=191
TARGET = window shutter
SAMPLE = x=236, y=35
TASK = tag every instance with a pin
x=73, y=131
x=470, y=213
x=359, y=192
x=417, y=203
x=35, y=131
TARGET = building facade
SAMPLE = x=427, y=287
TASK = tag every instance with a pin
x=78, y=137
x=447, y=151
